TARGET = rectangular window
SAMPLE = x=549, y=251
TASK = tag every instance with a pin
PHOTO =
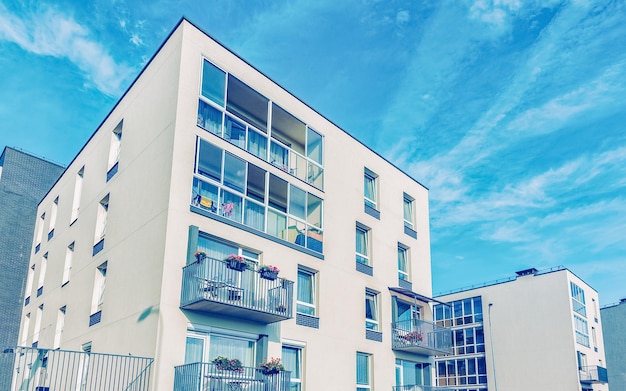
x=116, y=145
x=42, y=272
x=29, y=281
x=363, y=375
x=371, y=310
x=37, y=324
x=403, y=263
x=58, y=331
x=213, y=83
x=99, y=285
x=78, y=190
x=67, y=266
x=292, y=360
x=101, y=219
x=25, y=327
x=363, y=245
x=246, y=103
x=370, y=189
x=408, y=212
x=53, y=217
x=578, y=299
x=582, y=331
x=306, y=292
x=39, y=234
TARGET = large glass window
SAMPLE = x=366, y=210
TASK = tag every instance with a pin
x=403, y=263
x=294, y=147
x=371, y=310
x=370, y=188
x=306, y=292
x=408, y=211
x=362, y=245
x=460, y=312
x=213, y=83
x=363, y=375
x=201, y=347
x=292, y=360
x=462, y=372
x=582, y=330
x=578, y=299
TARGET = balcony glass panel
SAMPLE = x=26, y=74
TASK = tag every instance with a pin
x=213, y=80
x=246, y=103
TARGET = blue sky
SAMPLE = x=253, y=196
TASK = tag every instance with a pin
x=512, y=112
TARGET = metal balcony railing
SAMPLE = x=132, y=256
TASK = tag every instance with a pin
x=421, y=388
x=33, y=369
x=210, y=285
x=207, y=377
x=593, y=374
x=420, y=336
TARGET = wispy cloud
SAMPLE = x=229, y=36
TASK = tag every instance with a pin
x=48, y=32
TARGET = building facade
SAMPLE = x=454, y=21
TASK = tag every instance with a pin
x=215, y=216
x=539, y=330
x=613, y=320
x=24, y=180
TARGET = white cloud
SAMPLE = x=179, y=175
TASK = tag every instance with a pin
x=135, y=40
x=50, y=33
x=403, y=17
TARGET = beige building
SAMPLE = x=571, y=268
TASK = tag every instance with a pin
x=170, y=223
x=539, y=330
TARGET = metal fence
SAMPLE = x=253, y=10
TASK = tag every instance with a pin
x=207, y=377
x=34, y=369
x=421, y=388
x=421, y=334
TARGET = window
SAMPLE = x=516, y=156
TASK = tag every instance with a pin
x=59, y=327
x=42, y=273
x=408, y=211
x=469, y=340
x=459, y=312
x=403, y=263
x=595, y=309
x=292, y=360
x=371, y=310
x=306, y=292
x=582, y=361
x=594, y=338
x=67, y=266
x=25, y=327
x=464, y=371
x=238, y=190
x=99, y=284
x=116, y=143
x=370, y=189
x=29, y=282
x=363, y=375
x=39, y=233
x=53, y=217
x=37, y=324
x=203, y=347
x=578, y=299
x=232, y=110
x=101, y=219
x=410, y=373
x=78, y=190
x=582, y=331
x=362, y=245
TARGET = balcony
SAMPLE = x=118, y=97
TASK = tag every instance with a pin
x=421, y=388
x=593, y=374
x=33, y=369
x=209, y=285
x=422, y=337
x=206, y=377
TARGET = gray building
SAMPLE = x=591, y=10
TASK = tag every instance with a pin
x=613, y=319
x=24, y=180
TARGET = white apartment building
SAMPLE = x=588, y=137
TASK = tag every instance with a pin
x=539, y=330
x=203, y=178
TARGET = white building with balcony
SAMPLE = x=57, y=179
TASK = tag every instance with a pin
x=213, y=214
x=539, y=330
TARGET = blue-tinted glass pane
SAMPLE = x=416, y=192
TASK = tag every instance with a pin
x=234, y=172
x=213, y=83
x=209, y=118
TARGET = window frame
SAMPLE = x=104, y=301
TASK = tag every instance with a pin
x=361, y=258
x=296, y=374
x=404, y=274
x=408, y=201
x=370, y=177
x=373, y=298
x=312, y=275
x=360, y=386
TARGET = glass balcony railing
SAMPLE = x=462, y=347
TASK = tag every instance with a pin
x=206, y=376
x=420, y=336
x=593, y=374
x=213, y=285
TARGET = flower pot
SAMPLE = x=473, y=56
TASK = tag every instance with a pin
x=270, y=372
x=269, y=275
x=236, y=265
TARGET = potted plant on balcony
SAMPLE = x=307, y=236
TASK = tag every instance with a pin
x=269, y=272
x=199, y=255
x=271, y=367
x=236, y=262
x=413, y=336
x=281, y=308
x=226, y=364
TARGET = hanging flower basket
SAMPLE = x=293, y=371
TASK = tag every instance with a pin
x=269, y=272
x=236, y=262
x=225, y=364
x=200, y=255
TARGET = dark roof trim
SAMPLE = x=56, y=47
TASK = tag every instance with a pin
x=416, y=296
